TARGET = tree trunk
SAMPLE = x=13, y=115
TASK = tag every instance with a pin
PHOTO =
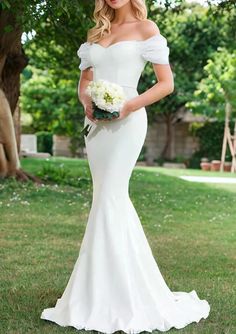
x=166, y=152
x=17, y=126
x=9, y=160
x=12, y=61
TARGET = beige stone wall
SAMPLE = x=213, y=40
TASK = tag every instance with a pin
x=183, y=143
x=61, y=146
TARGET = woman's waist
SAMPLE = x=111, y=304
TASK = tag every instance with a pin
x=129, y=91
x=125, y=81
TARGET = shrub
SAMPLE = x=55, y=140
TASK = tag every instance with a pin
x=210, y=140
x=44, y=141
x=62, y=176
x=142, y=154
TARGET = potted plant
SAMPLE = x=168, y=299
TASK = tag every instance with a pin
x=227, y=166
x=215, y=165
x=205, y=164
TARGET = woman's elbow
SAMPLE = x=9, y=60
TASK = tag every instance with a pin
x=170, y=87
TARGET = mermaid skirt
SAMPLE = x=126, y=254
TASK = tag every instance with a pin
x=116, y=283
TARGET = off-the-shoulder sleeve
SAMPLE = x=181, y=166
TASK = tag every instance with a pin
x=83, y=54
x=155, y=49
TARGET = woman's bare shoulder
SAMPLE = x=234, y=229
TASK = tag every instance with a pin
x=148, y=28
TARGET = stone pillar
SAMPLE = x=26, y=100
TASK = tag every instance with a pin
x=28, y=143
x=61, y=146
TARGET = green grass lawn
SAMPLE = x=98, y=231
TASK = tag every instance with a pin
x=197, y=172
x=190, y=228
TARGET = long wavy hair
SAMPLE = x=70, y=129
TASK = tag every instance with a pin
x=103, y=14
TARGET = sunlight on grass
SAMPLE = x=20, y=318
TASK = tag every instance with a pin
x=194, y=172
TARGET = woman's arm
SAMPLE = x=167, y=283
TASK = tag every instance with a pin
x=162, y=88
x=85, y=77
x=164, y=76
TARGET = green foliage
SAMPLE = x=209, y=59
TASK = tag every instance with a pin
x=210, y=141
x=5, y=4
x=26, y=123
x=59, y=27
x=62, y=175
x=142, y=155
x=103, y=114
x=177, y=159
x=195, y=160
x=192, y=35
x=44, y=141
x=53, y=104
x=217, y=87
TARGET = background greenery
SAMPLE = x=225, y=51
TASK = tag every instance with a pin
x=210, y=136
x=202, y=44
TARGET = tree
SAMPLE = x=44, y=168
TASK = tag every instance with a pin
x=218, y=86
x=62, y=23
x=193, y=34
x=12, y=62
x=52, y=20
x=51, y=101
x=215, y=94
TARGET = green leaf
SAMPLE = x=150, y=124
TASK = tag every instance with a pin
x=5, y=4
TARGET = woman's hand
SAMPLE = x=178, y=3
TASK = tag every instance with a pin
x=88, y=108
x=85, y=78
x=125, y=110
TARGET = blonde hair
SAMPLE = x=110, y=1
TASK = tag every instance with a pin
x=103, y=14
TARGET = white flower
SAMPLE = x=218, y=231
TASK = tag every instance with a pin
x=106, y=95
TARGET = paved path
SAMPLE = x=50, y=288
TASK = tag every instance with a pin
x=209, y=179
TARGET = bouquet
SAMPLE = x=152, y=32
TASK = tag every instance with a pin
x=107, y=100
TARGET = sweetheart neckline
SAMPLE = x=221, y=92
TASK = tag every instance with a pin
x=130, y=40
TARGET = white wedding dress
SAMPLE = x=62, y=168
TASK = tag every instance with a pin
x=116, y=283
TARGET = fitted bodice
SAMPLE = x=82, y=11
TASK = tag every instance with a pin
x=119, y=63
x=124, y=61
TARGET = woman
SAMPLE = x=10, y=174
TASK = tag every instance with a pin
x=116, y=283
